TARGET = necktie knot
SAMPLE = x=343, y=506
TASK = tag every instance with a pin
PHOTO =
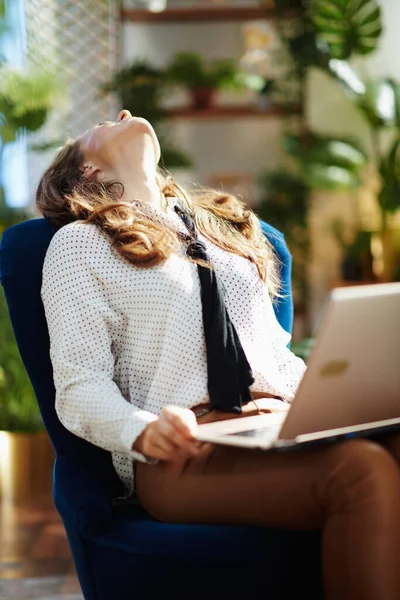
x=197, y=249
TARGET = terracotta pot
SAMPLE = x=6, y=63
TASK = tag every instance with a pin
x=26, y=465
x=203, y=97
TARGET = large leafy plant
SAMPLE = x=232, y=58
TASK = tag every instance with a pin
x=325, y=35
x=334, y=31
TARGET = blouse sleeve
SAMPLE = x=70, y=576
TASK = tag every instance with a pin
x=291, y=367
x=79, y=317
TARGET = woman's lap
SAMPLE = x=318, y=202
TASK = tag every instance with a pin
x=235, y=486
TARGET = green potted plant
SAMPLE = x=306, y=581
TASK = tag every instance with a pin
x=203, y=79
x=140, y=88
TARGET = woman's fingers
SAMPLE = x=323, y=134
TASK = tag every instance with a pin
x=174, y=435
x=179, y=425
x=157, y=445
x=162, y=440
x=182, y=420
x=163, y=450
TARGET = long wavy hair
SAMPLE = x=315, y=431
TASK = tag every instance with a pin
x=64, y=196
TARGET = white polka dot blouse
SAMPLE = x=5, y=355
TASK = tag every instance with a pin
x=126, y=341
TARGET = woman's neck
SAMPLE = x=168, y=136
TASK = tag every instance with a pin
x=140, y=185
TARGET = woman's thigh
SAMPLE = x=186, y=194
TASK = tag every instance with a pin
x=234, y=486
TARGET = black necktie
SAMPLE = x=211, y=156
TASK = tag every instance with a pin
x=228, y=370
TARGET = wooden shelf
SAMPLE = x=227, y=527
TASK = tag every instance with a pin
x=231, y=112
x=182, y=15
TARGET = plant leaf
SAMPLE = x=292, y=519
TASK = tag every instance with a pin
x=347, y=26
x=328, y=177
x=396, y=92
x=329, y=151
x=379, y=103
x=26, y=97
x=347, y=77
x=329, y=11
x=327, y=163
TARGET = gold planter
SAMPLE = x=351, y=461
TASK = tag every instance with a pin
x=26, y=462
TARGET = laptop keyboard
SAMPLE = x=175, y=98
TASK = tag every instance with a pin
x=266, y=434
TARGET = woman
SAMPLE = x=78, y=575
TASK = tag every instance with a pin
x=144, y=346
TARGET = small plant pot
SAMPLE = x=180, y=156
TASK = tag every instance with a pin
x=203, y=98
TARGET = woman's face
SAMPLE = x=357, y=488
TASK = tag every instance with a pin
x=128, y=138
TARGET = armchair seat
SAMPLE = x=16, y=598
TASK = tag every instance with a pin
x=214, y=562
x=119, y=551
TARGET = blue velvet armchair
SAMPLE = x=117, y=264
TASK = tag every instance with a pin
x=120, y=552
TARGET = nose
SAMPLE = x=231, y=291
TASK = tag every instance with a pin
x=124, y=114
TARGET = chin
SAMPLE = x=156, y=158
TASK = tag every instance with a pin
x=142, y=126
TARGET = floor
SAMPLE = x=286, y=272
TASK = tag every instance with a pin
x=35, y=560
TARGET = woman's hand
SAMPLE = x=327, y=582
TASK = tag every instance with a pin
x=171, y=436
x=271, y=405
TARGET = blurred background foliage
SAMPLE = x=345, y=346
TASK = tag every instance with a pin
x=26, y=97
x=329, y=34
x=18, y=407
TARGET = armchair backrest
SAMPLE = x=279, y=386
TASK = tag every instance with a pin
x=22, y=251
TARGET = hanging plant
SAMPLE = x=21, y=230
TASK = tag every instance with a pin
x=348, y=26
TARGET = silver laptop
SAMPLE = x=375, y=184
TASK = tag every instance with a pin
x=352, y=383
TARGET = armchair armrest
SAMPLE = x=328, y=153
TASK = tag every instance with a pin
x=284, y=305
